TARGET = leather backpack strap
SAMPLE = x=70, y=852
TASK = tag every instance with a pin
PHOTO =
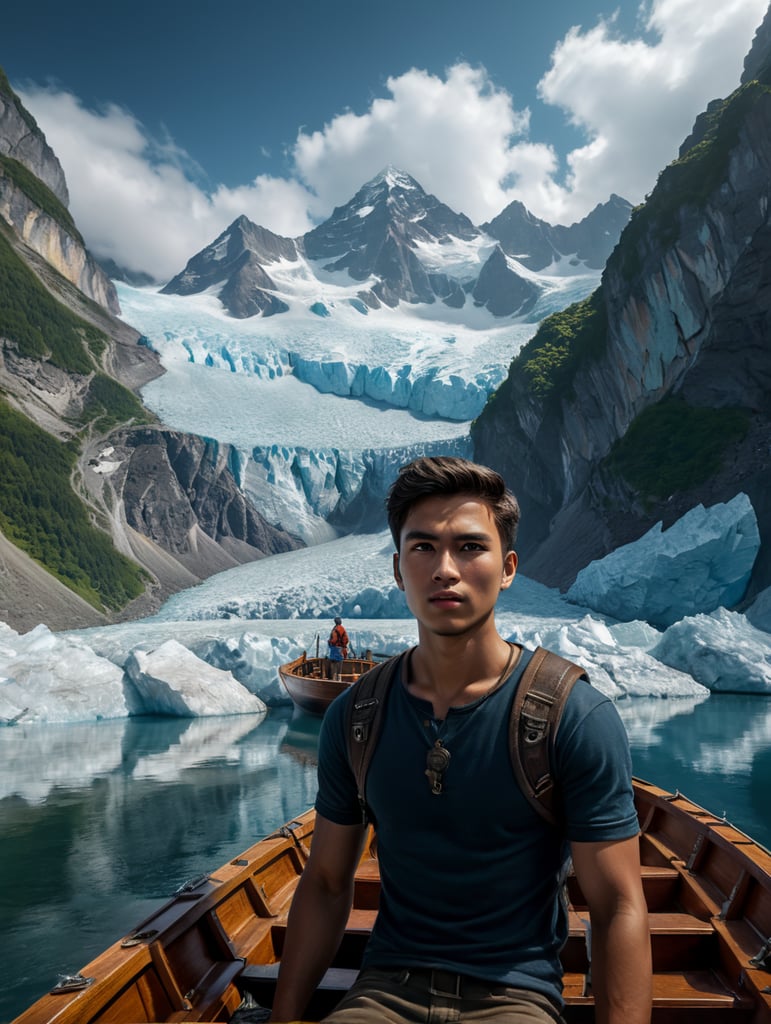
x=365, y=718
x=535, y=717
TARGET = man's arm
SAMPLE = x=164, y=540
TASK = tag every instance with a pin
x=609, y=876
x=318, y=915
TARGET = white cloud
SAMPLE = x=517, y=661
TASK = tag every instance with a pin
x=132, y=197
x=636, y=100
x=633, y=99
x=453, y=135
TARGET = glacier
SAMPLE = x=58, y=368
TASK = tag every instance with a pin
x=214, y=650
x=384, y=388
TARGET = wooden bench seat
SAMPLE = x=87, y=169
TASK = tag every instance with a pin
x=674, y=994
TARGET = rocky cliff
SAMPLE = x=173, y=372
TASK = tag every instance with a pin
x=21, y=139
x=653, y=395
x=102, y=513
x=537, y=244
x=34, y=199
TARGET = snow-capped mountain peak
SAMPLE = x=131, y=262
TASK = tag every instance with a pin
x=395, y=243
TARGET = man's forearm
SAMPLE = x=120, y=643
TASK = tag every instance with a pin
x=621, y=969
x=316, y=924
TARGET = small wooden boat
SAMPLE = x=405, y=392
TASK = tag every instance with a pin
x=308, y=680
x=218, y=942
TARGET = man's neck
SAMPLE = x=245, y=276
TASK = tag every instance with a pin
x=450, y=671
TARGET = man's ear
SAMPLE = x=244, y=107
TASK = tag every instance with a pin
x=397, y=574
x=509, y=569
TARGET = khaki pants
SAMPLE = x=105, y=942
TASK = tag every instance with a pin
x=423, y=996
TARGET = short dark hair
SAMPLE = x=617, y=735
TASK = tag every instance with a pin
x=448, y=475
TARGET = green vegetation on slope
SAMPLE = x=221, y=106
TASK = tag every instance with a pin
x=38, y=325
x=672, y=446
x=40, y=194
x=109, y=403
x=42, y=515
x=39, y=510
x=690, y=180
x=547, y=365
x=6, y=90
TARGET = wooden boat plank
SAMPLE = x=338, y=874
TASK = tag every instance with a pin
x=683, y=990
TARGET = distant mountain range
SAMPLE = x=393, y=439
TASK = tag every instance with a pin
x=393, y=242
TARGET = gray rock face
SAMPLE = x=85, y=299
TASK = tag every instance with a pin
x=686, y=301
x=502, y=290
x=57, y=242
x=172, y=482
x=537, y=244
x=758, y=60
x=58, y=246
x=22, y=139
x=377, y=231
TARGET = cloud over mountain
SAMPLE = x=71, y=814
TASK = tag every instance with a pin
x=141, y=200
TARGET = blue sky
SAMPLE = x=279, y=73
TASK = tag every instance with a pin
x=171, y=119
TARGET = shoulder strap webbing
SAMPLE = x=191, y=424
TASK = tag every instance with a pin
x=535, y=717
x=365, y=717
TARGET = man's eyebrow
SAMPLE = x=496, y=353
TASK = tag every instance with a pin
x=419, y=535
x=427, y=535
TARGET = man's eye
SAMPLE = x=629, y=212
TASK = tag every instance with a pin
x=472, y=545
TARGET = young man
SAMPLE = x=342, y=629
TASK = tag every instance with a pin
x=471, y=922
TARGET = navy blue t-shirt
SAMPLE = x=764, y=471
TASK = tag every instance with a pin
x=470, y=877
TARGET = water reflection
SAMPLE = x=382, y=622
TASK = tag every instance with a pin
x=717, y=752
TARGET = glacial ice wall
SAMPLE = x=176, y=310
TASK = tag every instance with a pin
x=431, y=391
x=304, y=490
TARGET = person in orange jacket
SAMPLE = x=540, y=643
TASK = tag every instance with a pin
x=338, y=647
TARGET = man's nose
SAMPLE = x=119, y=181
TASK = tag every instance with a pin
x=445, y=567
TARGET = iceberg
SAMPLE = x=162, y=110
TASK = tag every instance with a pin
x=215, y=649
x=723, y=651
x=701, y=562
x=48, y=678
x=171, y=680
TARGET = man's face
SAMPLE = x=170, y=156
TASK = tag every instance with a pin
x=452, y=564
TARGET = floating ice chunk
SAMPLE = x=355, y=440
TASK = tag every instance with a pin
x=48, y=678
x=723, y=650
x=616, y=668
x=171, y=680
x=701, y=562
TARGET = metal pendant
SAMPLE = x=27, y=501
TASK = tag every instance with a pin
x=437, y=763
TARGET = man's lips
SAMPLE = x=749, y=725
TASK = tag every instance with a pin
x=446, y=598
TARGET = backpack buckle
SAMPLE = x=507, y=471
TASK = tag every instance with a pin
x=533, y=728
x=363, y=713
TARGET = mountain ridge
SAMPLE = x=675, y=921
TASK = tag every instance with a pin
x=76, y=548
x=397, y=243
